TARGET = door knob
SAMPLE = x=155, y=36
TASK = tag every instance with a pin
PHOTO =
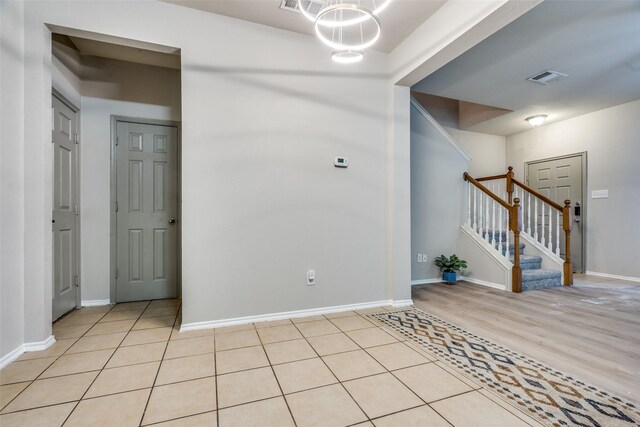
x=576, y=219
x=172, y=220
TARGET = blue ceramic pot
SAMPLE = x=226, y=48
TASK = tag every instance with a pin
x=449, y=277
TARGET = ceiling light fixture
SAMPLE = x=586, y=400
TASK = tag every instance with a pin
x=536, y=120
x=358, y=36
x=311, y=9
x=347, y=56
x=347, y=26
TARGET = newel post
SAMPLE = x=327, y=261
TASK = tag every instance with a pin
x=510, y=184
x=514, y=219
x=566, y=226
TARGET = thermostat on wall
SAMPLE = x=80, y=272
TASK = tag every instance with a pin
x=341, y=162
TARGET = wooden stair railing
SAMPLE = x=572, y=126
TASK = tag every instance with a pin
x=486, y=226
x=528, y=198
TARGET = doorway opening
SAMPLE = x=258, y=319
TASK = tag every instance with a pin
x=109, y=78
x=564, y=178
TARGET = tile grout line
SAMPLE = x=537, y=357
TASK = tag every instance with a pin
x=327, y=366
x=105, y=364
x=295, y=423
x=144, y=411
x=52, y=362
x=76, y=373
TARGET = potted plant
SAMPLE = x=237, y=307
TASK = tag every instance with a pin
x=449, y=266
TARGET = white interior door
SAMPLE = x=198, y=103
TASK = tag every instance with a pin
x=559, y=180
x=147, y=211
x=65, y=208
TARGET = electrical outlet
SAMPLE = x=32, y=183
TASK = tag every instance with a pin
x=419, y=257
x=599, y=194
x=311, y=277
x=424, y=258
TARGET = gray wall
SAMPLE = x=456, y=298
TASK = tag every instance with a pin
x=610, y=138
x=436, y=195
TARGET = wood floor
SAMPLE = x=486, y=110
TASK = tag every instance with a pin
x=590, y=330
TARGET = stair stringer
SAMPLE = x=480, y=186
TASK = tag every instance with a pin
x=550, y=261
x=486, y=265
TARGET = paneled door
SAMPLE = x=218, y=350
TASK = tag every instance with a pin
x=561, y=179
x=146, y=211
x=65, y=208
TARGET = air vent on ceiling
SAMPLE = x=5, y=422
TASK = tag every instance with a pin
x=313, y=6
x=546, y=77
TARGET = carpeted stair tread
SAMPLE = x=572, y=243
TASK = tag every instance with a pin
x=540, y=279
x=529, y=262
x=504, y=248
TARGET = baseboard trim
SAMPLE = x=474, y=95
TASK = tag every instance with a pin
x=483, y=283
x=613, y=276
x=289, y=314
x=402, y=303
x=28, y=346
x=426, y=281
x=95, y=302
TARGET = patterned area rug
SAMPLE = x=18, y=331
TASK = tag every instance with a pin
x=551, y=396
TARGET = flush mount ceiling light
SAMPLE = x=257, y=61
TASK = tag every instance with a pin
x=536, y=120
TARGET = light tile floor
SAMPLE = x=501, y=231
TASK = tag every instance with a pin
x=128, y=365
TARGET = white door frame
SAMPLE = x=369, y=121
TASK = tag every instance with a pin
x=112, y=204
x=55, y=92
x=583, y=210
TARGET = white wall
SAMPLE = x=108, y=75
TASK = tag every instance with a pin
x=12, y=215
x=610, y=138
x=487, y=152
x=436, y=195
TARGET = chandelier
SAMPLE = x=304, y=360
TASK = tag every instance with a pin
x=347, y=26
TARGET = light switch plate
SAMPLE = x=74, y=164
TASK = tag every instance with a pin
x=599, y=194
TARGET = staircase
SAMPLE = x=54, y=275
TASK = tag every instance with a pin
x=501, y=220
x=533, y=275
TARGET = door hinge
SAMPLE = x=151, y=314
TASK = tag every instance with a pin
x=117, y=140
x=116, y=206
x=76, y=281
x=75, y=138
x=76, y=209
x=117, y=273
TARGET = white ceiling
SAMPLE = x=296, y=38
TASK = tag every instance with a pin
x=398, y=20
x=596, y=42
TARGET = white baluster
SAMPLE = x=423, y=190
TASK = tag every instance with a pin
x=550, y=241
x=475, y=209
x=469, y=204
x=521, y=208
x=480, y=226
x=542, y=230
x=529, y=213
x=493, y=225
x=500, y=209
x=535, y=218
x=506, y=232
x=486, y=221
x=558, y=233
